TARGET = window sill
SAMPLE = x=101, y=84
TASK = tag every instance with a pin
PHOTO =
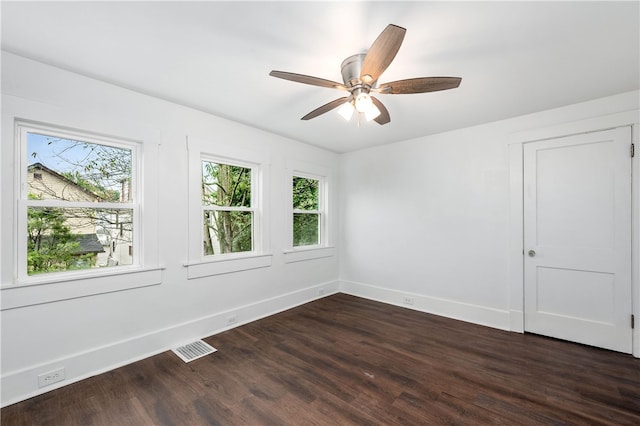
x=226, y=265
x=39, y=290
x=301, y=254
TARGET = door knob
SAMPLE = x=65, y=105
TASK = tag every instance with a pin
x=532, y=253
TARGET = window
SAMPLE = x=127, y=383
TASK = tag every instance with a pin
x=307, y=217
x=309, y=235
x=78, y=207
x=227, y=208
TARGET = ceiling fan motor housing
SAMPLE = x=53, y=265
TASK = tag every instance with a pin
x=351, y=68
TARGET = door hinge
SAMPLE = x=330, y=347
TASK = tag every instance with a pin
x=633, y=150
x=633, y=321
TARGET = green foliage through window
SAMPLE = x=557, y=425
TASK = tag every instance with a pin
x=305, y=193
x=305, y=229
x=51, y=244
x=306, y=213
x=228, y=214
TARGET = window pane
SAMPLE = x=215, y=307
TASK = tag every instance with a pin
x=306, y=229
x=227, y=232
x=65, y=169
x=62, y=239
x=305, y=193
x=225, y=185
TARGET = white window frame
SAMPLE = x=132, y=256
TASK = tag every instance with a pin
x=325, y=247
x=255, y=225
x=198, y=265
x=24, y=203
x=320, y=211
x=26, y=290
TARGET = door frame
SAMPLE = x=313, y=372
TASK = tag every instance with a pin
x=516, y=209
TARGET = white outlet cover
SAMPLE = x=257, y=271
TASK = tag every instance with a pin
x=51, y=377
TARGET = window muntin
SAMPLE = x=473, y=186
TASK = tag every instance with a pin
x=307, y=211
x=78, y=206
x=228, y=207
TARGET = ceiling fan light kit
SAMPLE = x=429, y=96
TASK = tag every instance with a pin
x=346, y=111
x=360, y=74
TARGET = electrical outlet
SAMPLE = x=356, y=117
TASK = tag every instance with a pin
x=232, y=319
x=408, y=300
x=51, y=377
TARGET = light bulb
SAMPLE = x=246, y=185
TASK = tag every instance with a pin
x=365, y=105
x=371, y=112
x=363, y=102
x=346, y=110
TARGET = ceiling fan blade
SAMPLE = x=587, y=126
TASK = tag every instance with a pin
x=384, y=117
x=326, y=108
x=307, y=79
x=419, y=85
x=381, y=53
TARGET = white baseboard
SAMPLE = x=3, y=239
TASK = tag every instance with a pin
x=23, y=384
x=20, y=385
x=517, y=321
x=482, y=315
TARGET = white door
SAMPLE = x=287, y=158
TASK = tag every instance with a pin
x=577, y=236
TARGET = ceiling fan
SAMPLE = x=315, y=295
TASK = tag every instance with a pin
x=360, y=74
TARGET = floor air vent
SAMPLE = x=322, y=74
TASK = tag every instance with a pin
x=194, y=350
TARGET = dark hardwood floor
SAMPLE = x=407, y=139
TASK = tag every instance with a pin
x=344, y=360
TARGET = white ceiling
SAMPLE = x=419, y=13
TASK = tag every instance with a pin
x=514, y=57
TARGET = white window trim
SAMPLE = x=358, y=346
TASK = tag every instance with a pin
x=72, y=286
x=24, y=290
x=198, y=265
x=325, y=248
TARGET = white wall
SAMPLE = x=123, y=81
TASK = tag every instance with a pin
x=93, y=334
x=428, y=219
x=425, y=219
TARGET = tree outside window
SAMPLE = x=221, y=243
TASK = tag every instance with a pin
x=79, y=202
x=306, y=211
x=228, y=213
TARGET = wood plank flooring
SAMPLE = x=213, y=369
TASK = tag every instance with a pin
x=343, y=360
